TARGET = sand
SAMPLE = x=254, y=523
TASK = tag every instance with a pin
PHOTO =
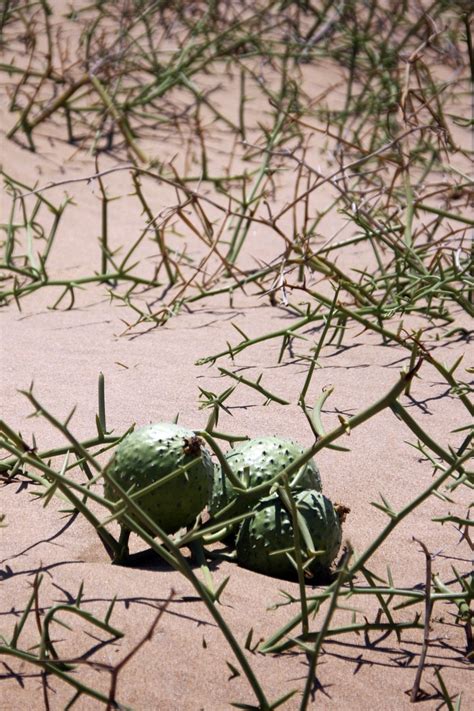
x=151, y=375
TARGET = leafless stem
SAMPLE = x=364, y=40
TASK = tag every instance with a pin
x=112, y=704
x=426, y=632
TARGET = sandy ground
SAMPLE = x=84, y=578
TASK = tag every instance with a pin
x=150, y=376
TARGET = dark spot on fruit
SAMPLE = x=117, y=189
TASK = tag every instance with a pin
x=192, y=445
x=341, y=512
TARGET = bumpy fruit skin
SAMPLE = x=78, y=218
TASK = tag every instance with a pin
x=149, y=454
x=261, y=459
x=271, y=529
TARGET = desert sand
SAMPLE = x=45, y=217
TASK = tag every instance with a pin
x=151, y=375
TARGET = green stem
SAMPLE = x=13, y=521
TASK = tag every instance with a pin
x=343, y=575
x=172, y=555
x=52, y=668
x=271, y=644
x=256, y=386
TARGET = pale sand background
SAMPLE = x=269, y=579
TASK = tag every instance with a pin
x=63, y=352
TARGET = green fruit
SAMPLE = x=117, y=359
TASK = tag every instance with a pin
x=151, y=453
x=259, y=460
x=271, y=530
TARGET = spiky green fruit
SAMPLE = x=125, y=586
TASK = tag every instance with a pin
x=257, y=461
x=150, y=454
x=271, y=530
